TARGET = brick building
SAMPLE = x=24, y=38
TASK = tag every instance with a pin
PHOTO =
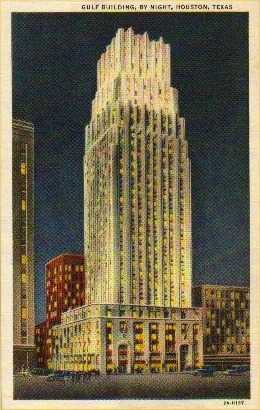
x=225, y=323
x=64, y=289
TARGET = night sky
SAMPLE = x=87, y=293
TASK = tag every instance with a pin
x=54, y=81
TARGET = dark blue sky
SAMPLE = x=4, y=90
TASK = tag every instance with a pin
x=54, y=81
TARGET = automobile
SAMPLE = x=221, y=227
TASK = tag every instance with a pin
x=237, y=370
x=40, y=371
x=205, y=371
x=24, y=372
x=59, y=376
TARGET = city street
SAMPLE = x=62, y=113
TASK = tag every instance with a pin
x=150, y=386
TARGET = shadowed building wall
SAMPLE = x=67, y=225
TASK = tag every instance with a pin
x=23, y=244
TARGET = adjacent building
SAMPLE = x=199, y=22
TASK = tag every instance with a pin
x=225, y=323
x=64, y=285
x=41, y=336
x=23, y=244
x=137, y=223
x=64, y=289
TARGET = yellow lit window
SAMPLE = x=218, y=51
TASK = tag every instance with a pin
x=77, y=286
x=55, y=303
x=81, y=268
x=23, y=205
x=66, y=301
x=24, y=313
x=23, y=168
x=23, y=259
x=24, y=278
x=77, y=268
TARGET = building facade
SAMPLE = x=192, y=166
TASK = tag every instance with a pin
x=226, y=323
x=127, y=339
x=64, y=285
x=137, y=180
x=23, y=244
x=41, y=335
x=137, y=223
x=64, y=289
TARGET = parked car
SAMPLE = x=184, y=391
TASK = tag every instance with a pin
x=24, y=372
x=205, y=371
x=40, y=371
x=59, y=376
x=237, y=370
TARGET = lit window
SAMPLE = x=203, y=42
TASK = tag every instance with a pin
x=23, y=259
x=23, y=205
x=81, y=268
x=77, y=286
x=23, y=168
x=24, y=278
x=77, y=268
x=24, y=313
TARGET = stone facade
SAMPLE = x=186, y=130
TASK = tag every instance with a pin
x=23, y=244
x=128, y=338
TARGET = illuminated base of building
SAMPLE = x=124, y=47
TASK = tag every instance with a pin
x=128, y=339
x=24, y=357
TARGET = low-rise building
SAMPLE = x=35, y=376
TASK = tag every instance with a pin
x=226, y=338
x=127, y=339
x=41, y=334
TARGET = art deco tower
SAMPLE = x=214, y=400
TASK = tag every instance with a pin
x=137, y=193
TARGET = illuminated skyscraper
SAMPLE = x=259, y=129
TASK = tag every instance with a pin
x=137, y=215
x=137, y=180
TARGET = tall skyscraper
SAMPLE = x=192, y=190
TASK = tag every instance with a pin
x=137, y=215
x=137, y=180
x=23, y=243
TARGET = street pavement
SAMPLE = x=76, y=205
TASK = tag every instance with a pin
x=147, y=386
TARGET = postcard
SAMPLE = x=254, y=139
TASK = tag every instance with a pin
x=130, y=204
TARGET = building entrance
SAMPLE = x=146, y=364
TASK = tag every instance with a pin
x=122, y=358
x=184, y=349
